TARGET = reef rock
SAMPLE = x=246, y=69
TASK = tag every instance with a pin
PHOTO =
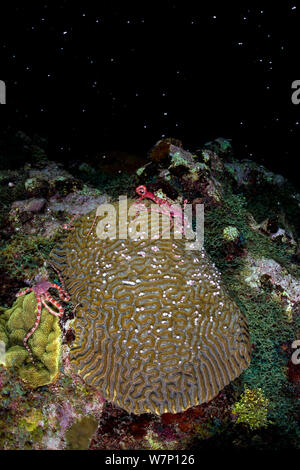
x=177, y=170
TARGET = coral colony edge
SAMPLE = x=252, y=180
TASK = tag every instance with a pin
x=136, y=342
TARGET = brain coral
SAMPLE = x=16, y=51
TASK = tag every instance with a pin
x=155, y=331
x=44, y=343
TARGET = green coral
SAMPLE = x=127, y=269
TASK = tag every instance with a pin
x=44, y=343
x=230, y=233
x=252, y=409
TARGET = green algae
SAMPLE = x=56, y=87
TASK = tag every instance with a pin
x=22, y=254
x=268, y=327
x=234, y=211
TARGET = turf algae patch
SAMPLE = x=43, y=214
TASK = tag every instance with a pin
x=44, y=343
x=79, y=435
x=155, y=330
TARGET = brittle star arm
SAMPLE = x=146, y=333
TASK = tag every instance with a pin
x=24, y=291
x=37, y=321
x=68, y=226
x=50, y=299
x=62, y=292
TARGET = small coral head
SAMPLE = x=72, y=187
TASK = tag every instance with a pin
x=41, y=287
x=141, y=190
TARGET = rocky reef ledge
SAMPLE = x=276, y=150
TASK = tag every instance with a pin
x=252, y=233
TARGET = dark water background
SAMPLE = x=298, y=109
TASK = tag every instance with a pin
x=227, y=76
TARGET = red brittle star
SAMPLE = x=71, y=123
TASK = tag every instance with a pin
x=44, y=298
x=165, y=207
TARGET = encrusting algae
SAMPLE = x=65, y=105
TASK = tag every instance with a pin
x=79, y=434
x=44, y=343
x=155, y=330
